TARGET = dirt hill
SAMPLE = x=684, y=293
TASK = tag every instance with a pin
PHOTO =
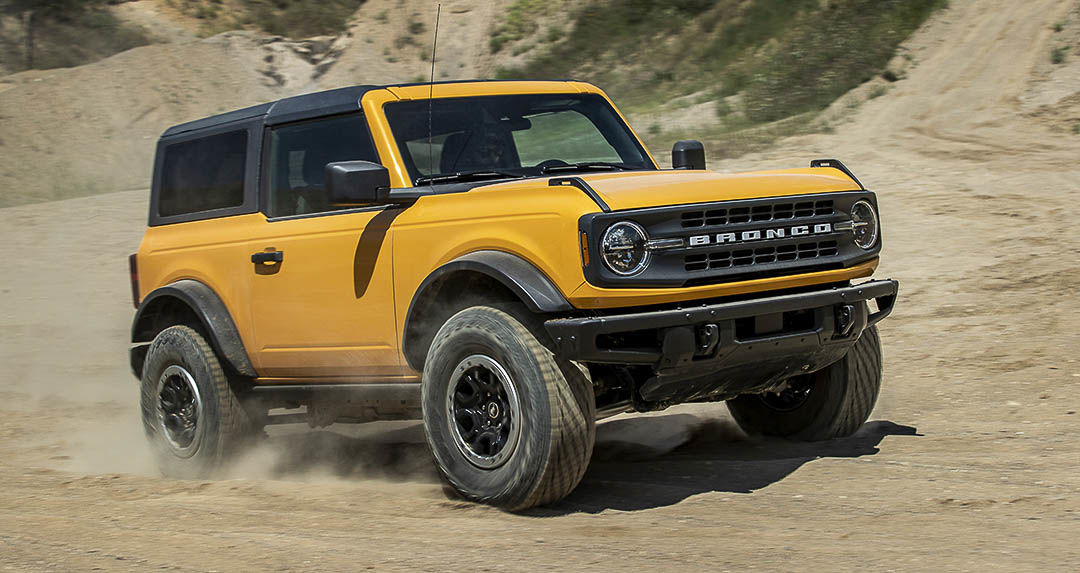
x=91, y=129
x=971, y=462
x=103, y=117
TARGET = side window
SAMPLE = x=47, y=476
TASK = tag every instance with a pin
x=203, y=174
x=566, y=135
x=299, y=154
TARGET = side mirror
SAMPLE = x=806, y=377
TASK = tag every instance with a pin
x=357, y=183
x=688, y=154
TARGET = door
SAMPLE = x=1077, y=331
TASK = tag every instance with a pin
x=322, y=276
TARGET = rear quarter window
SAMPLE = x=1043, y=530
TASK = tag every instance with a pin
x=203, y=174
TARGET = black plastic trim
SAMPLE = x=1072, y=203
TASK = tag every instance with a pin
x=329, y=213
x=213, y=316
x=885, y=307
x=396, y=392
x=576, y=338
x=584, y=186
x=521, y=277
x=264, y=257
x=527, y=282
x=839, y=166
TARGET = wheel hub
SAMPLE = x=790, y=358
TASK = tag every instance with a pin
x=484, y=411
x=794, y=394
x=179, y=410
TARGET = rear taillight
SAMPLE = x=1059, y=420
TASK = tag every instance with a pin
x=133, y=265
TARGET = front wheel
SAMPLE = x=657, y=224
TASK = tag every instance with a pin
x=831, y=403
x=508, y=423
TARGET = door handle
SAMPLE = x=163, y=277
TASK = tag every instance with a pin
x=268, y=257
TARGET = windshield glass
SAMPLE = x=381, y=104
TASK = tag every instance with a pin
x=513, y=136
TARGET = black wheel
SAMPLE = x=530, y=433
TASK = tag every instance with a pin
x=508, y=423
x=831, y=403
x=190, y=412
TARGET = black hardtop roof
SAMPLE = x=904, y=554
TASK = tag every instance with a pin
x=288, y=109
x=300, y=107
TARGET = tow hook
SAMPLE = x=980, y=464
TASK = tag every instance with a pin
x=708, y=336
x=845, y=319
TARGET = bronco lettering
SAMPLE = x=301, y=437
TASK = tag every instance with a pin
x=758, y=235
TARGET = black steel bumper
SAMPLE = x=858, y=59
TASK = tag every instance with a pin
x=728, y=348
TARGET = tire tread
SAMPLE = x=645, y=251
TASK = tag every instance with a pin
x=854, y=384
x=234, y=424
x=571, y=403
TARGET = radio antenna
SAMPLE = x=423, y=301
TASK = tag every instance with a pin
x=431, y=91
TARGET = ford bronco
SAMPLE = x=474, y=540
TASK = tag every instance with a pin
x=503, y=260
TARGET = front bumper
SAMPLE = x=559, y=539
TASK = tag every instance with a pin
x=728, y=348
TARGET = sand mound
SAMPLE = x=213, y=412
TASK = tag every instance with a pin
x=91, y=129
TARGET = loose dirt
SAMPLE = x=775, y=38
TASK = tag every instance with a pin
x=970, y=461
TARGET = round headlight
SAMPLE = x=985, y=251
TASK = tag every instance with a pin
x=864, y=224
x=623, y=248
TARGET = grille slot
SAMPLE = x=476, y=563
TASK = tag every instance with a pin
x=771, y=212
x=760, y=255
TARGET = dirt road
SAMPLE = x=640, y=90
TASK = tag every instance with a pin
x=970, y=463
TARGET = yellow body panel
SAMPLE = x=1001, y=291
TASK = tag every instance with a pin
x=335, y=308
x=638, y=189
x=589, y=296
x=327, y=308
x=214, y=252
x=440, y=228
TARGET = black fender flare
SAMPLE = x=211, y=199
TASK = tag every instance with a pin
x=519, y=276
x=212, y=314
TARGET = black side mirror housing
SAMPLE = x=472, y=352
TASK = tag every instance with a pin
x=357, y=183
x=688, y=154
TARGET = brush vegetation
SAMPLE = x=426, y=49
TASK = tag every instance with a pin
x=44, y=34
x=760, y=61
x=291, y=18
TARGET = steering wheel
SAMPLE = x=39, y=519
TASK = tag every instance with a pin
x=550, y=163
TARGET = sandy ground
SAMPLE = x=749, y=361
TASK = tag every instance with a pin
x=970, y=461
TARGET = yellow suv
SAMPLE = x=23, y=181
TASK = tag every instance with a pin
x=504, y=260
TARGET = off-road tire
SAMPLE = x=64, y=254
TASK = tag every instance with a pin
x=557, y=409
x=840, y=401
x=224, y=427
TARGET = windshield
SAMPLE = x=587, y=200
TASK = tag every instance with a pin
x=512, y=136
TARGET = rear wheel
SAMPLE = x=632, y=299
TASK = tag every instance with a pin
x=831, y=403
x=191, y=414
x=508, y=423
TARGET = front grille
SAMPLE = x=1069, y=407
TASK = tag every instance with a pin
x=735, y=240
x=760, y=255
x=771, y=212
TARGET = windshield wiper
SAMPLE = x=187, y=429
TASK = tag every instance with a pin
x=589, y=166
x=467, y=176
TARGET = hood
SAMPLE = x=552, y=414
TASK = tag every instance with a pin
x=635, y=190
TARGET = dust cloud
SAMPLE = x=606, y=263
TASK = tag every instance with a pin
x=390, y=451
